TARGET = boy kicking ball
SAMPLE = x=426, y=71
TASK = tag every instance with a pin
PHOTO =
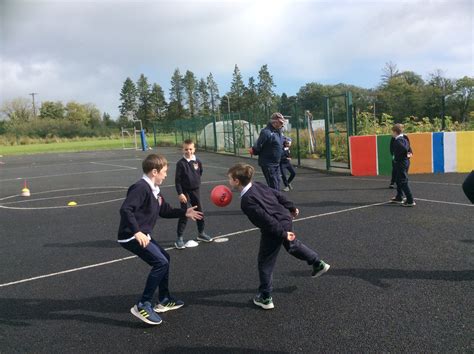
x=272, y=213
x=138, y=216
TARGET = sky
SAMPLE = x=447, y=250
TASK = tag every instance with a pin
x=84, y=50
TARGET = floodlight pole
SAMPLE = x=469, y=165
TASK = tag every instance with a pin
x=228, y=103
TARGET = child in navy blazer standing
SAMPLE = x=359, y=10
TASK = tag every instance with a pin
x=138, y=215
x=272, y=213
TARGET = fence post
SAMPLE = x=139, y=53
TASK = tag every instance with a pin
x=215, y=132
x=154, y=135
x=326, y=130
x=233, y=134
x=298, y=152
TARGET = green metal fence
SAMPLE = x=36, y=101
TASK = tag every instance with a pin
x=320, y=138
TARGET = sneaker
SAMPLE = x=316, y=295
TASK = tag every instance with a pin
x=204, y=237
x=179, y=244
x=168, y=304
x=266, y=304
x=396, y=200
x=145, y=313
x=290, y=186
x=406, y=204
x=286, y=189
x=319, y=268
x=392, y=186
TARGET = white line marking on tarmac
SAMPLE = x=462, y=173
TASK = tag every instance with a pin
x=109, y=164
x=60, y=197
x=354, y=178
x=63, y=174
x=171, y=248
x=444, y=202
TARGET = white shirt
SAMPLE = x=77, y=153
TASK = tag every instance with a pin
x=399, y=136
x=193, y=158
x=246, y=188
x=154, y=188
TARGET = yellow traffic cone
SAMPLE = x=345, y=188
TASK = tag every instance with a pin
x=25, y=192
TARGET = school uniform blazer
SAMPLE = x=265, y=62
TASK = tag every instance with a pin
x=268, y=209
x=141, y=209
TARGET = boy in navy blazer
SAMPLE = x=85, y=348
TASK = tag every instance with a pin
x=401, y=164
x=138, y=215
x=273, y=214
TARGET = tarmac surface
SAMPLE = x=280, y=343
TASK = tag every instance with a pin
x=401, y=279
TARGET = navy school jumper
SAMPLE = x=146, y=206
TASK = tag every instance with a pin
x=401, y=164
x=139, y=212
x=269, y=210
x=187, y=181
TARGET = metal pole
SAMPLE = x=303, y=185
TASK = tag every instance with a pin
x=443, y=112
x=233, y=135
x=328, y=141
x=228, y=103
x=34, y=106
x=215, y=132
x=298, y=153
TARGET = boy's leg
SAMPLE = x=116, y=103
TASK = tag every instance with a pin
x=283, y=173
x=195, y=200
x=394, y=174
x=267, y=256
x=182, y=221
x=292, y=172
x=398, y=177
x=158, y=275
x=299, y=250
x=468, y=187
x=403, y=178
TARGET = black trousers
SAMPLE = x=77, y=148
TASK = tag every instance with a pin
x=272, y=175
x=286, y=165
x=401, y=178
x=394, y=173
x=267, y=255
x=468, y=187
x=159, y=260
x=194, y=199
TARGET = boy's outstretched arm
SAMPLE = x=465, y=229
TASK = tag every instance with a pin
x=168, y=212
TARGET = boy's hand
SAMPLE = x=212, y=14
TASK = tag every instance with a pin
x=409, y=155
x=182, y=198
x=290, y=236
x=251, y=151
x=142, y=239
x=288, y=158
x=193, y=214
x=295, y=213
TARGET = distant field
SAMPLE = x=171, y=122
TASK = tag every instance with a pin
x=71, y=146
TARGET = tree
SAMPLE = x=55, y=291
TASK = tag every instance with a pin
x=388, y=72
x=107, y=120
x=250, y=95
x=93, y=114
x=157, y=102
x=176, y=109
x=190, y=89
x=52, y=110
x=144, y=112
x=265, y=87
x=213, y=93
x=463, y=96
x=18, y=110
x=128, y=98
x=204, y=103
x=285, y=106
x=77, y=113
x=237, y=89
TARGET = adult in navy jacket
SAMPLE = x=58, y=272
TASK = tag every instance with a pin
x=268, y=148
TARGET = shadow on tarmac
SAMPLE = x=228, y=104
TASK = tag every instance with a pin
x=377, y=276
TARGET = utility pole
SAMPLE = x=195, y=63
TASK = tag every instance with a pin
x=228, y=103
x=34, y=106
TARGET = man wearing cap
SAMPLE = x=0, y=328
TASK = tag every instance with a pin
x=269, y=148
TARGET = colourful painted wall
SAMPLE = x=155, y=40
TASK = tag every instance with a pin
x=437, y=152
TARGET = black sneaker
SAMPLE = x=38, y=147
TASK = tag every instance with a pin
x=179, y=244
x=396, y=200
x=319, y=268
x=204, y=237
x=406, y=204
x=264, y=303
x=392, y=186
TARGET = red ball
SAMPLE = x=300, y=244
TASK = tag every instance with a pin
x=221, y=196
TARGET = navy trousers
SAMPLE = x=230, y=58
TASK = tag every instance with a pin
x=468, y=186
x=394, y=173
x=286, y=165
x=268, y=253
x=194, y=199
x=159, y=260
x=272, y=175
x=401, y=172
